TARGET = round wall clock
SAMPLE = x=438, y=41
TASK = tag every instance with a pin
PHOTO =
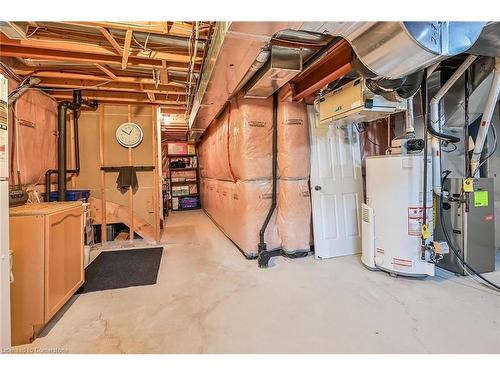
x=129, y=134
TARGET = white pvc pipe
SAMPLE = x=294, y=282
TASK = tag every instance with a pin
x=410, y=121
x=489, y=108
x=437, y=120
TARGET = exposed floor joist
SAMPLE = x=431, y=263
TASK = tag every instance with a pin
x=146, y=63
x=126, y=49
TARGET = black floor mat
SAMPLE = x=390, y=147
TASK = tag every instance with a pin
x=122, y=269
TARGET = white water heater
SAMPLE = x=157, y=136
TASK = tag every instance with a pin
x=392, y=218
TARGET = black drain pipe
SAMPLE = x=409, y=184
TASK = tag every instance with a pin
x=263, y=255
x=62, y=170
x=61, y=150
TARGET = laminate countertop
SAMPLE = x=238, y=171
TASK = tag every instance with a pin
x=44, y=208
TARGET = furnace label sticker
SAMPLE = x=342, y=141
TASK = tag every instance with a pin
x=481, y=199
x=415, y=218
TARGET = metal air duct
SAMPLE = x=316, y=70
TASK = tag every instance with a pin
x=284, y=64
x=395, y=50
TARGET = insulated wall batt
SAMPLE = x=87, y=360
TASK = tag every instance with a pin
x=250, y=132
x=213, y=150
x=240, y=209
x=293, y=141
x=251, y=202
x=294, y=215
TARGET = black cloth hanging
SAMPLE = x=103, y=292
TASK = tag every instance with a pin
x=127, y=177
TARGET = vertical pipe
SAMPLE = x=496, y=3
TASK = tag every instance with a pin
x=262, y=257
x=77, y=100
x=61, y=151
x=466, y=122
x=436, y=120
x=491, y=102
x=409, y=118
x=424, y=92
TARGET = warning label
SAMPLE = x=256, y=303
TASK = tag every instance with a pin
x=415, y=218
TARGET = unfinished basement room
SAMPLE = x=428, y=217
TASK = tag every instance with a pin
x=249, y=187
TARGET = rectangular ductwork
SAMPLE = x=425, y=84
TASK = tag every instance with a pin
x=234, y=48
x=283, y=64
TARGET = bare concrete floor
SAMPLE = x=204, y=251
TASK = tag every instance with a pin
x=209, y=299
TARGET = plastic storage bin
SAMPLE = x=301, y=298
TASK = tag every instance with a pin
x=189, y=202
x=73, y=195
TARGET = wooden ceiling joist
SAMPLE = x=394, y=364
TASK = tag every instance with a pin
x=111, y=40
x=134, y=96
x=112, y=86
x=144, y=101
x=65, y=76
x=108, y=72
x=97, y=47
x=163, y=28
x=113, y=62
x=126, y=49
x=44, y=54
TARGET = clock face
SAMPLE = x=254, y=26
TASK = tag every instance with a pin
x=129, y=134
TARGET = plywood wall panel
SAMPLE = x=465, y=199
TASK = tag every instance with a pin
x=144, y=198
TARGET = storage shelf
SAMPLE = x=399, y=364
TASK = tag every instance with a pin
x=190, y=183
x=181, y=156
x=182, y=169
x=184, y=182
x=185, y=195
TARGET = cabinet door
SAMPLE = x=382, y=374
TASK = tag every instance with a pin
x=63, y=258
x=26, y=292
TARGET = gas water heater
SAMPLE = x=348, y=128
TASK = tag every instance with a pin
x=393, y=215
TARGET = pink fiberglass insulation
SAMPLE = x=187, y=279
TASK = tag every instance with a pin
x=250, y=138
x=36, y=115
x=293, y=140
x=213, y=150
x=240, y=209
x=294, y=215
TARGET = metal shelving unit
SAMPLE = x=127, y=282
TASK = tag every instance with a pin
x=177, y=183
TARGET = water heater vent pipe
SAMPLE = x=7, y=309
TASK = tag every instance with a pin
x=437, y=121
x=489, y=108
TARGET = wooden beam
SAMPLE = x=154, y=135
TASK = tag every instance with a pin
x=170, y=108
x=174, y=93
x=126, y=49
x=151, y=95
x=122, y=214
x=174, y=86
x=106, y=70
x=85, y=57
x=111, y=40
x=139, y=96
x=104, y=232
x=157, y=172
x=130, y=190
x=163, y=73
x=147, y=27
x=112, y=99
x=96, y=46
x=335, y=63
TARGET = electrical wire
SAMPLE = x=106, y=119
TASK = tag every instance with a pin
x=446, y=144
x=465, y=266
x=492, y=127
x=366, y=134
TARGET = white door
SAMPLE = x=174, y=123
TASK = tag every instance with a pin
x=337, y=188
